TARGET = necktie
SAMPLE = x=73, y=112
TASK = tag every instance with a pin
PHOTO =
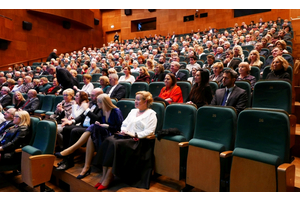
x=225, y=98
x=25, y=104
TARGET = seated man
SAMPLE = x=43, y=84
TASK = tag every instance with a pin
x=175, y=70
x=27, y=85
x=5, y=98
x=258, y=47
x=229, y=61
x=71, y=132
x=277, y=51
x=32, y=103
x=220, y=55
x=116, y=90
x=231, y=95
x=9, y=117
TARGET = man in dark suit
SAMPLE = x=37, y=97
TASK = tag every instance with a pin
x=71, y=133
x=258, y=47
x=5, y=98
x=116, y=90
x=9, y=117
x=231, y=95
x=32, y=103
x=52, y=55
x=229, y=61
x=64, y=77
x=175, y=70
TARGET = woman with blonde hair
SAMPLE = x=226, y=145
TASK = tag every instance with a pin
x=127, y=77
x=112, y=71
x=254, y=59
x=18, y=100
x=279, y=68
x=104, y=83
x=135, y=65
x=244, y=74
x=150, y=65
x=238, y=52
x=144, y=75
x=108, y=124
x=15, y=137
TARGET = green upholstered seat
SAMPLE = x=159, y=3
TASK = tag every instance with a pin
x=95, y=77
x=125, y=106
x=214, y=86
x=127, y=86
x=185, y=87
x=246, y=86
x=47, y=104
x=267, y=70
x=155, y=88
x=159, y=108
x=273, y=94
x=138, y=86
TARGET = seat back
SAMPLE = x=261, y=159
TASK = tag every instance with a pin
x=138, y=86
x=151, y=73
x=216, y=124
x=41, y=98
x=185, y=87
x=159, y=108
x=155, y=87
x=185, y=71
x=79, y=77
x=96, y=84
x=48, y=102
x=118, y=68
x=135, y=74
x=249, y=48
x=183, y=117
x=114, y=101
x=246, y=86
x=273, y=94
x=33, y=126
x=56, y=101
x=266, y=131
x=95, y=77
x=255, y=71
x=120, y=74
x=267, y=70
x=125, y=106
x=127, y=86
x=45, y=136
x=214, y=86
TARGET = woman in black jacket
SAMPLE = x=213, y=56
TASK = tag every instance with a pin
x=15, y=137
x=159, y=73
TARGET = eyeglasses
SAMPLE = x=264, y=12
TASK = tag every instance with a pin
x=17, y=116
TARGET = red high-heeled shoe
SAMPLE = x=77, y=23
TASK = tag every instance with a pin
x=101, y=187
x=97, y=185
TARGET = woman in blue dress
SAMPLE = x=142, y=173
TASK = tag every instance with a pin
x=109, y=123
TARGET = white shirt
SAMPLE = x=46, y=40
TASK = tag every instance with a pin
x=190, y=66
x=17, y=88
x=131, y=79
x=143, y=125
x=76, y=110
x=88, y=88
x=135, y=70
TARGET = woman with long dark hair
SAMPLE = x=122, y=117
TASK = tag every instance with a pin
x=201, y=93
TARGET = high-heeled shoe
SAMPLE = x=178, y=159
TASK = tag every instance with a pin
x=58, y=155
x=101, y=187
x=88, y=172
x=97, y=185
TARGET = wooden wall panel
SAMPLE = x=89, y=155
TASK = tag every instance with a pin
x=47, y=33
x=169, y=20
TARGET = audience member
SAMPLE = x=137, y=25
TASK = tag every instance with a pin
x=144, y=75
x=32, y=103
x=244, y=71
x=218, y=72
x=127, y=77
x=115, y=90
x=5, y=98
x=18, y=100
x=279, y=69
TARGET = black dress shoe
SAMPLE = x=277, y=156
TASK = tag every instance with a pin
x=84, y=175
x=64, y=166
x=58, y=155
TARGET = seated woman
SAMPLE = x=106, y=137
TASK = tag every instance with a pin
x=78, y=108
x=171, y=92
x=104, y=83
x=254, y=59
x=104, y=72
x=55, y=89
x=144, y=75
x=127, y=154
x=244, y=71
x=18, y=100
x=201, y=93
x=84, y=69
x=238, y=52
x=36, y=84
x=16, y=136
x=18, y=86
x=10, y=83
x=127, y=77
x=135, y=65
x=108, y=125
x=141, y=60
x=112, y=71
x=88, y=86
x=159, y=73
x=279, y=69
x=150, y=65
x=44, y=85
x=218, y=72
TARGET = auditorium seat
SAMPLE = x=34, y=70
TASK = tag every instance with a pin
x=56, y=101
x=214, y=86
x=267, y=70
x=261, y=156
x=47, y=105
x=155, y=88
x=136, y=87
x=127, y=86
x=171, y=151
x=249, y=48
x=159, y=107
x=245, y=84
x=125, y=105
x=95, y=77
x=185, y=87
x=214, y=133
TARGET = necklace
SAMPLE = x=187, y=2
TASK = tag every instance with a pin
x=141, y=111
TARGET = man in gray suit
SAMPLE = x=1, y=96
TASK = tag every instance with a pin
x=32, y=103
x=231, y=95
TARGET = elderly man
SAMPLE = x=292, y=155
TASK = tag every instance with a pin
x=5, y=98
x=17, y=75
x=52, y=55
x=180, y=76
x=64, y=77
x=231, y=95
x=71, y=132
x=258, y=47
x=220, y=55
x=93, y=69
x=277, y=51
x=27, y=85
x=229, y=61
x=32, y=103
x=116, y=90
x=3, y=82
x=249, y=41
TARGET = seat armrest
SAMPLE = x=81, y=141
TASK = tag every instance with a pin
x=18, y=150
x=31, y=150
x=286, y=177
x=226, y=154
x=183, y=144
x=151, y=136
